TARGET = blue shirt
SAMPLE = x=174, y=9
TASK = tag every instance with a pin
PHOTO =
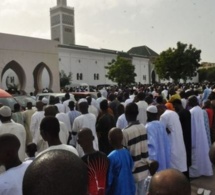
x=120, y=180
x=158, y=144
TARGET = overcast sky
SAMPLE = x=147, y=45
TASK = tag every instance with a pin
x=121, y=24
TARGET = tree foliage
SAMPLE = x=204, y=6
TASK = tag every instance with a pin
x=207, y=75
x=178, y=63
x=121, y=71
x=65, y=79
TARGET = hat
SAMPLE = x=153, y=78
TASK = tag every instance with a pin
x=45, y=101
x=5, y=111
x=82, y=100
x=152, y=109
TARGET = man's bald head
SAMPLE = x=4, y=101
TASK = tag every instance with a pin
x=169, y=182
x=115, y=137
x=9, y=147
x=212, y=153
x=85, y=138
x=56, y=172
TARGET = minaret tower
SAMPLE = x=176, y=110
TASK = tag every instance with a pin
x=62, y=23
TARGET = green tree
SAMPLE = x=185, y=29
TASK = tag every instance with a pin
x=178, y=63
x=65, y=79
x=121, y=71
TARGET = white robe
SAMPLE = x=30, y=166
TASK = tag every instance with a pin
x=61, y=107
x=142, y=116
x=19, y=131
x=201, y=164
x=35, y=130
x=63, y=117
x=85, y=121
x=178, y=158
x=64, y=133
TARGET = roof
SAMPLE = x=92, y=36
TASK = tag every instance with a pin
x=142, y=51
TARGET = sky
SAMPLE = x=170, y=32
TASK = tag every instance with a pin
x=120, y=24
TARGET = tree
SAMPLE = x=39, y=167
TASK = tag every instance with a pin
x=207, y=74
x=121, y=71
x=179, y=63
x=64, y=79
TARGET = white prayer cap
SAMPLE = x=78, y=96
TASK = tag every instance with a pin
x=82, y=100
x=45, y=100
x=5, y=111
x=152, y=109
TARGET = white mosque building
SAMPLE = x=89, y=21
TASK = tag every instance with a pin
x=33, y=64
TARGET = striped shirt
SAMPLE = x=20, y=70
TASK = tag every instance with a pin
x=135, y=139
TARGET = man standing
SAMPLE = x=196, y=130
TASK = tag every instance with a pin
x=201, y=164
x=158, y=141
x=27, y=114
x=178, y=158
x=11, y=179
x=13, y=128
x=85, y=120
x=35, y=126
x=135, y=139
x=185, y=119
x=142, y=106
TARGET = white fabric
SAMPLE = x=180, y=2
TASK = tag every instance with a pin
x=11, y=180
x=178, y=159
x=201, y=164
x=121, y=122
x=142, y=116
x=184, y=102
x=85, y=121
x=61, y=107
x=5, y=111
x=66, y=107
x=152, y=109
x=36, y=119
x=64, y=133
x=27, y=114
x=128, y=101
x=63, y=117
x=93, y=110
x=19, y=131
x=60, y=147
x=164, y=93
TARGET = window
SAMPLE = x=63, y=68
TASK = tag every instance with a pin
x=96, y=76
x=79, y=76
x=144, y=77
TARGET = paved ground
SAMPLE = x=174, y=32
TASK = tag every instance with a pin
x=204, y=182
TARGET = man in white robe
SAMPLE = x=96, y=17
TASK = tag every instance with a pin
x=85, y=120
x=142, y=106
x=10, y=127
x=35, y=127
x=201, y=164
x=178, y=159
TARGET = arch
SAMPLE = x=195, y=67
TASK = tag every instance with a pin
x=17, y=68
x=37, y=74
x=153, y=76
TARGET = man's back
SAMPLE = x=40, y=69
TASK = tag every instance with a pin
x=11, y=180
x=142, y=117
x=135, y=139
x=158, y=144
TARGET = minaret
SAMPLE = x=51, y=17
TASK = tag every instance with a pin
x=62, y=23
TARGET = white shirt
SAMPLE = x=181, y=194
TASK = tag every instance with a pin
x=19, y=131
x=121, y=122
x=66, y=107
x=11, y=180
x=60, y=147
x=92, y=109
x=61, y=107
x=178, y=158
x=36, y=119
x=85, y=121
x=142, y=116
x=64, y=133
x=63, y=117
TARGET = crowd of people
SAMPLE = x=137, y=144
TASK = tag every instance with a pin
x=136, y=141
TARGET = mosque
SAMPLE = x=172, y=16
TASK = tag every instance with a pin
x=32, y=64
